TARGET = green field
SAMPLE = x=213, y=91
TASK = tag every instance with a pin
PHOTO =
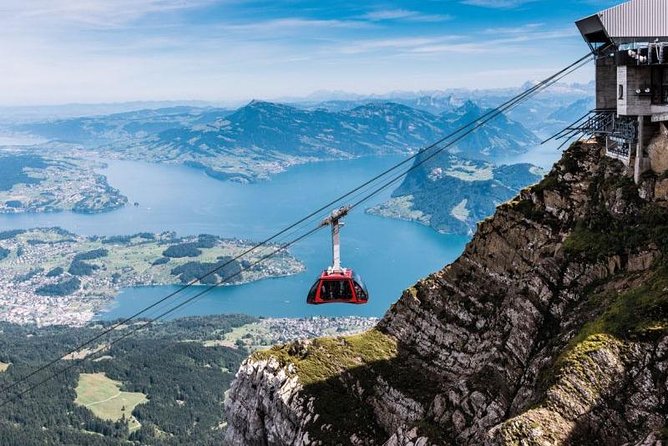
x=4, y=366
x=103, y=396
x=254, y=336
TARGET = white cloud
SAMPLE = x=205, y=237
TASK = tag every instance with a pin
x=396, y=44
x=498, y=4
x=527, y=28
x=506, y=41
x=404, y=14
x=94, y=13
x=57, y=51
x=288, y=24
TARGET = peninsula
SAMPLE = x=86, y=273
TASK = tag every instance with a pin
x=53, y=277
x=31, y=182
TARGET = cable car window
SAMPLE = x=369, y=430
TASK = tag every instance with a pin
x=313, y=291
x=335, y=290
x=360, y=293
x=358, y=279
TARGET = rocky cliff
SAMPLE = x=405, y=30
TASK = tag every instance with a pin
x=551, y=328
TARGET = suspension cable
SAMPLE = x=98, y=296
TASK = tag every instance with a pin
x=458, y=134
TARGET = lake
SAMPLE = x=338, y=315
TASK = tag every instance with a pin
x=390, y=255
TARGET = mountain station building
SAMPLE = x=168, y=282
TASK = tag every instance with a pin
x=630, y=42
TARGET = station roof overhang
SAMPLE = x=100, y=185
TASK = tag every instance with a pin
x=629, y=22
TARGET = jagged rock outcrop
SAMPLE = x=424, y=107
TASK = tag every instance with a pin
x=551, y=328
x=658, y=151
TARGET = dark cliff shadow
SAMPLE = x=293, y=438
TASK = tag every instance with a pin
x=350, y=401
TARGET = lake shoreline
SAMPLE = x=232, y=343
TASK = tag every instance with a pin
x=390, y=255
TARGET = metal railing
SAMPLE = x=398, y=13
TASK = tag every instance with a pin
x=604, y=122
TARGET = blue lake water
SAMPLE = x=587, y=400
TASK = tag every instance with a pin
x=391, y=255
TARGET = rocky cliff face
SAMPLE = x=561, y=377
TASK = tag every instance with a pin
x=551, y=328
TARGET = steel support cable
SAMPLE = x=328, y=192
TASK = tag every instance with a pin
x=490, y=115
x=495, y=113
x=432, y=155
x=486, y=117
x=566, y=130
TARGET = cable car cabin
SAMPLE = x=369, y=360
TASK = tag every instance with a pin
x=337, y=284
x=338, y=287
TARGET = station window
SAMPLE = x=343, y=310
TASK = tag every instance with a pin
x=621, y=91
x=659, y=85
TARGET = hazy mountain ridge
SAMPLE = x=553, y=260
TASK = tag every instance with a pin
x=118, y=127
x=531, y=113
x=263, y=138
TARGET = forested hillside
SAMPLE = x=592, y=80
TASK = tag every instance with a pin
x=183, y=380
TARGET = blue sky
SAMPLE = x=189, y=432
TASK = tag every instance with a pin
x=64, y=51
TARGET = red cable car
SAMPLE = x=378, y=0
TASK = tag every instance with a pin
x=337, y=284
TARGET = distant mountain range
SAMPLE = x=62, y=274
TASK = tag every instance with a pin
x=533, y=114
x=433, y=101
x=262, y=138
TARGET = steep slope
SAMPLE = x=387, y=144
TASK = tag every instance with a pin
x=551, y=328
x=451, y=194
x=486, y=142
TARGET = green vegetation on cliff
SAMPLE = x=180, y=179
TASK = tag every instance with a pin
x=325, y=358
x=328, y=367
x=636, y=223
x=621, y=240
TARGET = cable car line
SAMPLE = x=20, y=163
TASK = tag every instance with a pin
x=491, y=114
x=337, y=284
x=472, y=126
x=511, y=102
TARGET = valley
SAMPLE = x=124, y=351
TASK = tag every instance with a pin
x=154, y=159
x=187, y=202
x=238, y=175
x=164, y=386
x=303, y=223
